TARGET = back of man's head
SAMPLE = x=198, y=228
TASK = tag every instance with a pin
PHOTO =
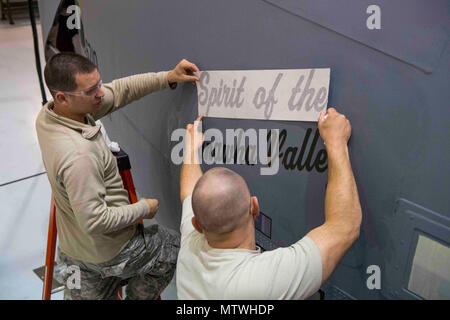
x=221, y=201
x=61, y=69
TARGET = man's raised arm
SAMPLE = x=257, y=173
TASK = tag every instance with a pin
x=342, y=208
x=190, y=170
x=125, y=90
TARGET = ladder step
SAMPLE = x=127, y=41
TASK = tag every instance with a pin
x=56, y=285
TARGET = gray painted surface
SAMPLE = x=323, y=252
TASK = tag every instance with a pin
x=391, y=83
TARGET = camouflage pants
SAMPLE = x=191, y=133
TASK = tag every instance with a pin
x=146, y=265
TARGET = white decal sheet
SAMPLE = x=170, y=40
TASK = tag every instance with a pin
x=286, y=94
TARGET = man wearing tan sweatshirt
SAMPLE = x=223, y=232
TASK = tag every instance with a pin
x=98, y=229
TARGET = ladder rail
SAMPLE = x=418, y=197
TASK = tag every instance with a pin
x=50, y=253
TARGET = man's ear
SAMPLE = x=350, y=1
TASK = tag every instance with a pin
x=196, y=225
x=254, y=206
x=60, y=97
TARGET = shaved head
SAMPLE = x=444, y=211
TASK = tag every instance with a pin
x=221, y=201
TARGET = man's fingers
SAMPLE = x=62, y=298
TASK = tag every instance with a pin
x=197, y=123
x=331, y=111
x=191, y=78
x=321, y=116
x=186, y=72
x=190, y=127
x=188, y=66
x=191, y=66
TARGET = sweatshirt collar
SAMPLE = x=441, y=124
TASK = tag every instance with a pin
x=88, y=131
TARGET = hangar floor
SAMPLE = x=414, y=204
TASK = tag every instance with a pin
x=24, y=188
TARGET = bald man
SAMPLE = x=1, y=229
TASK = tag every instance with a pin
x=218, y=257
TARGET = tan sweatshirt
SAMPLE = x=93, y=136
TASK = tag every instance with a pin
x=94, y=218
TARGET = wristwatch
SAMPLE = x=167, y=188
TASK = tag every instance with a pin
x=172, y=85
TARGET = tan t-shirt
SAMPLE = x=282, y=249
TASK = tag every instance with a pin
x=203, y=272
x=94, y=217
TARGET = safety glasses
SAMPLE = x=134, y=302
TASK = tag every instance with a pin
x=85, y=93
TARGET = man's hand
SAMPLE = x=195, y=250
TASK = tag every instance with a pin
x=195, y=136
x=334, y=128
x=190, y=170
x=183, y=72
x=154, y=205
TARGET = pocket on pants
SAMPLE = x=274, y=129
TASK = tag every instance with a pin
x=166, y=257
x=113, y=271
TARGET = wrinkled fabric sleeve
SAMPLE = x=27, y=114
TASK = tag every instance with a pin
x=123, y=91
x=83, y=180
x=299, y=272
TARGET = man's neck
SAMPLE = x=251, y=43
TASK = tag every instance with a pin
x=61, y=112
x=241, y=239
